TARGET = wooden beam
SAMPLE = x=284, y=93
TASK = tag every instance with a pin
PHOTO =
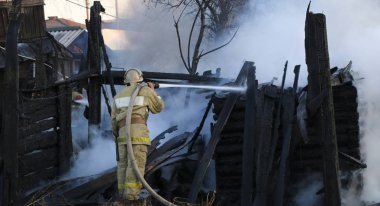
x=10, y=112
x=287, y=125
x=64, y=120
x=222, y=120
x=38, y=141
x=38, y=160
x=28, y=128
x=94, y=86
x=264, y=146
x=167, y=151
x=266, y=158
x=249, y=139
x=317, y=60
x=156, y=141
x=92, y=184
x=290, y=103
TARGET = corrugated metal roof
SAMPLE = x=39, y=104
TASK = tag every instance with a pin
x=24, y=53
x=66, y=37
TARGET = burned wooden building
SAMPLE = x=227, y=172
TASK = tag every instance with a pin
x=263, y=141
x=36, y=144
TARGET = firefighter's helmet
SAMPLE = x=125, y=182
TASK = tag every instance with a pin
x=133, y=75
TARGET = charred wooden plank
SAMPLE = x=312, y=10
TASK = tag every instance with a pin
x=201, y=124
x=47, y=112
x=222, y=120
x=30, y=180
x=10, y=111
x=287, y=124
x=91, y=184
x=37, y=127
x=230, y=149
x=38, y=141
x=154, y=161
x=156, y=141
x=264, y=148
x=94, y=65
x=65, y=139
x=262, y=197
x=219, y=103
x=173, y=143
x=38, y=160
x=352, y=160
x=317, y=59
x=30, y=106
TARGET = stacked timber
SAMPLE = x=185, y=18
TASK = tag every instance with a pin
x=228, y=154
x=305, y=157
x=45, y=145
x=308, y=156
x=229, y=151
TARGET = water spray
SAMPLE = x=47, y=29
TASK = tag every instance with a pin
x=207, y=87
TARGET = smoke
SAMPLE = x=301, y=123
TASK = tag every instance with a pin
x=175, y=113
x=369, y=111
x=274, y=32
x=308, y=189
x=91, y=156
x=97, y=157
x=149, y=38
x=99, y=154
x=271, y=33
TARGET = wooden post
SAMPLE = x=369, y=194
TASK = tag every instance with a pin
x=94, y=86
x=249, y=139
x=287, y=122
x=323, y=120
x=10, y=113
x=64, y=142
x=263, y=142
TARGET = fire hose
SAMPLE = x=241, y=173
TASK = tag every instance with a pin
x=130, y=149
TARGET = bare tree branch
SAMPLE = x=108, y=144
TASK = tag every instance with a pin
x=196, y=57
x=233, y=36
x=213, y=17
x=171, y=4
x=191, y=34
x=179, y=43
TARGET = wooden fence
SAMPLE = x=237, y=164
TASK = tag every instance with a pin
x=45, y=144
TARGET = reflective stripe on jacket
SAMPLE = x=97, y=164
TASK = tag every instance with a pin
x=146, y=101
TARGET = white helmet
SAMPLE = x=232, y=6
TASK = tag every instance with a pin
x=133, y=75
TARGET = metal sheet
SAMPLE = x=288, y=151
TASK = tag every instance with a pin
x=66, y=37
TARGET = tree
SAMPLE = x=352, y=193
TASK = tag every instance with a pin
x=213, y=18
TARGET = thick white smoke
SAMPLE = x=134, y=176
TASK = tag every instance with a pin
x=274, y=32
x=149, y=40
x=97, y=156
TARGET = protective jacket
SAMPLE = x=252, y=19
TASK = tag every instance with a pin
x=146, y=101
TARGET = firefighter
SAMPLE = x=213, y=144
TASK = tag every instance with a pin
x=147, y=101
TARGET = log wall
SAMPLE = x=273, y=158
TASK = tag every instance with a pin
x=304, y=158
x=33, y=25
x=45, y=135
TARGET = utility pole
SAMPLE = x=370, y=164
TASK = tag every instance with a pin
x=117, y=9
x=87, y=9
x=94, y=66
